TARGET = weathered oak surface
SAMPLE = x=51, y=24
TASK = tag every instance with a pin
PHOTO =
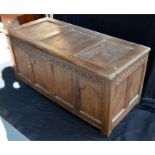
x=95, y=76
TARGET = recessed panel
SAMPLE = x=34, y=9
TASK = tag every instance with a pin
x=103, y=53
x=71, y=41
x=63, y=85
x=119, y=97
x=22, y=62
x=90, y=99
x=40, y=73
x=135, y=83
x=42, y=30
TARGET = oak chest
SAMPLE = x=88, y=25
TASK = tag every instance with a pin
x=95, y=76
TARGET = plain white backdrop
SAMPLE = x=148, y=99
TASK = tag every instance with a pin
x=78, y=6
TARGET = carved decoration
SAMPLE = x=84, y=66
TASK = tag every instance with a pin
x=130, y=70
x=74, y=68
x=57, y=61
x=77, y=70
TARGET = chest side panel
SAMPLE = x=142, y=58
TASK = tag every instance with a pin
x=127, y=89
x=90, y=99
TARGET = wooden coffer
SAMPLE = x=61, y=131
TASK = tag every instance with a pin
x=97, y=77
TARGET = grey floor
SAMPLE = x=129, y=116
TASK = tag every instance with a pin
x=7, y=131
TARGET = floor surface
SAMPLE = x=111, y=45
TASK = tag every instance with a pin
x=7, y=131
x=10, y=133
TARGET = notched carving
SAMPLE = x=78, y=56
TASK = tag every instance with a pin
x=130, y=70
x=75, y=69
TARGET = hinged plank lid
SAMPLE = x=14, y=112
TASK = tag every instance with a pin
x=96, y=52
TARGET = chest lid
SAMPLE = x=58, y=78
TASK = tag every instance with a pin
x=99, y=53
